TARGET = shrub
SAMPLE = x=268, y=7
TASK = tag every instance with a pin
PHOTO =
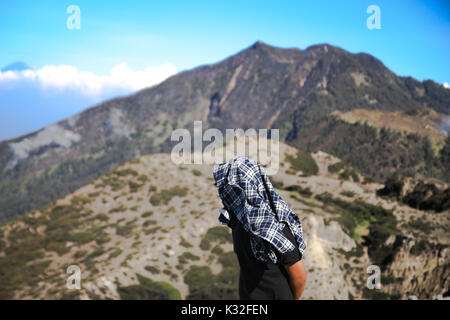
x=347, y=173
x=217, y=250
x=228, y=260
x=102, y=217
x=276, y=184
x=426, y=196
x=143, y=178
x=368, y=179
x=303, y=191
x=152, y=269
x=80, y=254
x=203, y=284
x=421, y=225
x=152, y=230
x=115, y=253
x=120, y=208
x=148, y=289
x=95, y=253
x=336, y=167
x=149, y=222
x=126, y=230
x=214, y=234
x=303, y=161
x=135, y=208
x=165, y=195
x=185, y=243
x=355, y=252
x=125, y=172
x=347, y=193
x=392, y=187
x=147, y=214
x=82, y=237
x=186, y=256
x=134, y=186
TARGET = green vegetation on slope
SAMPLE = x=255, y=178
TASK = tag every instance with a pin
x=215, y=234
x=331, y=79
x=300, y=190
x=304, y=162
x=344, y=171
x=53, y=229
x=203, y=284
x=380, y=222
x=165, y=195
x=377, y=153
x=424, y=196
x=23, y=190
x=148, y=289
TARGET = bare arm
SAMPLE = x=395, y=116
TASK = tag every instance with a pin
x=297, y=278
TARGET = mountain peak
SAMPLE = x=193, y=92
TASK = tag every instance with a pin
x=260, y=47
x=262, y=86
x=258, y=44
x=16, y=66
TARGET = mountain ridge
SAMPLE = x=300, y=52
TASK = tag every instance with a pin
x=259, y=87
x=150, y=227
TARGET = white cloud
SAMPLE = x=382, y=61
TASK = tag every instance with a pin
x=8, y=75
x=446, y=85
x=120, y=77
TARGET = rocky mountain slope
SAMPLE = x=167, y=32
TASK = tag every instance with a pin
x=260, y=87
x=148, y=229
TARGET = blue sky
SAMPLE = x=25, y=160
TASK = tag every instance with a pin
x=413, y=39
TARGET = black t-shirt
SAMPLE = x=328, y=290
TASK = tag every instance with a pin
x=260, y=280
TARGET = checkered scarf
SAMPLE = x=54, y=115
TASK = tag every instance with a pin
x=246, y=190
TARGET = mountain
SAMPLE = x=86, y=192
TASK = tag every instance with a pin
x=148, y=229
x=16, y=66
x=298, y=91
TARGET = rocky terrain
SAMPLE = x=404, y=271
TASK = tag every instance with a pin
x=148, y=229
x=261, y=87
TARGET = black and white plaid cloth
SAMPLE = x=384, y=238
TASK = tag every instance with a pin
x=246, y=190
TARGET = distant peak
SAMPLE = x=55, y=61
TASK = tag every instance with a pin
x=16, y=66
x=259, y=45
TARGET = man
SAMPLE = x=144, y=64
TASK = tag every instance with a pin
x=267, y=235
